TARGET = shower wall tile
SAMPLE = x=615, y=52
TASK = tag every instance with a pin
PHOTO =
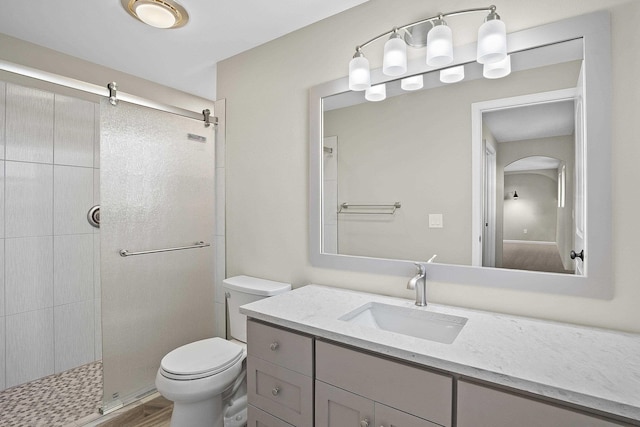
x=96, y=193
x=28, y=199
x=221, y=320
x=1, y=197
x=97, y=290
x=29, y=124
x=73, y=273
x=96, y=136
x=28, y=274
x=2, y=354
x=73, y=197
x=98, y=328
x=74, y=131
x=29, y=346
x=3, y=88
x=74, y=333
x=2, y=313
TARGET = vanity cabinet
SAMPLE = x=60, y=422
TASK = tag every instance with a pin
x=480, y=406
x=358, y=389
x=279, y=377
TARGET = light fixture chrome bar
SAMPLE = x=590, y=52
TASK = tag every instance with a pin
x=489, y=9
x=96, y=90
x=197, y=245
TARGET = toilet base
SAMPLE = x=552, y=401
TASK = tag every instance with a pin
x=205, y=413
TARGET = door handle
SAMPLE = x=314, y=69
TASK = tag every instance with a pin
x=575, y=255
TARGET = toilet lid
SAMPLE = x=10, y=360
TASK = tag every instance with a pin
x=201, y=359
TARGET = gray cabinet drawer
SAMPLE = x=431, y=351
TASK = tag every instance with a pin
x=390, y=417
x=279, y=391
x=283, y=348
x=259, y=418
x=417, y=391
x=480, y=406
x=339, y=408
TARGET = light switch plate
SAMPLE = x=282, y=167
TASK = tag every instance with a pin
x=435, y=221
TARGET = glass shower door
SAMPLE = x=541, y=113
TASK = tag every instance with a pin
x=157, y=192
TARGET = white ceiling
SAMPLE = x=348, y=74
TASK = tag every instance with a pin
x=101, y=31
x=531, y=122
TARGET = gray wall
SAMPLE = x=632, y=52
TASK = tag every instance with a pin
x=267, y=153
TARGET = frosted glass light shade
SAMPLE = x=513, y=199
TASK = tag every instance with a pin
x=155, y=15
x=439, y=46
x=452, y=75
x=492, y=42
x=376, y=93
x=394, y=62
x=497, y=70
x=359, y=74
x=412, y=83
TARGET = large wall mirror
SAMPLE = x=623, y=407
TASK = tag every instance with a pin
x=506, y=180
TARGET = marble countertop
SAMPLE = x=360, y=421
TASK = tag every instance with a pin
x=590, y=367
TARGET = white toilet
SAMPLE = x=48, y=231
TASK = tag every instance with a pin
x=206, y=380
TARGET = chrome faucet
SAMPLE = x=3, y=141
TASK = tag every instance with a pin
x=419, y=283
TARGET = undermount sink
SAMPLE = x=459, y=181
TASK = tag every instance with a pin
x=442, y=328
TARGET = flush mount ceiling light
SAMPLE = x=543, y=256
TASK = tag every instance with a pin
x=163, y=14
x=437, y=37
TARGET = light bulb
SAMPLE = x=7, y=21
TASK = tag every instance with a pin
x=394, y=62
x=412, y=83
x=497, y=70
x=155, y=15
x=492, y=41
x=359, y=74
x=376, y=93
x=439, y=45
x=452, y=75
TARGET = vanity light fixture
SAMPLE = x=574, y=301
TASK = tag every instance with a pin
x=452, y=75
x=162, y=14
x=497, y=70
x=376, y=93
x=492, y=45
x=412, y=83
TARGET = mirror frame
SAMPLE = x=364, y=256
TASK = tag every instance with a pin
x=594, y=30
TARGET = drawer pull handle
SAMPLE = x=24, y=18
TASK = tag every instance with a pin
x=275, y=391
x=364, y=422
x=274, y=346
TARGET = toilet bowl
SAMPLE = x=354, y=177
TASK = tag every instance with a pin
x=206, y=380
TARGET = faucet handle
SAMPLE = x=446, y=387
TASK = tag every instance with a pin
x=432, y=258
x=421, y=270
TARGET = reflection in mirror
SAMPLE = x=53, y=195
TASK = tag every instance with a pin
x=397, y=180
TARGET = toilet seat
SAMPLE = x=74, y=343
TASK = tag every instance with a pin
x=200, y=359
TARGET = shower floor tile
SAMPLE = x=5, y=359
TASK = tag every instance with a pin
x=53, y=401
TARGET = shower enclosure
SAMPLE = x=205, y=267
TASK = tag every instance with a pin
x=66, y=302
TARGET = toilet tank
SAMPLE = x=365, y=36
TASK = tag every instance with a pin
x=241, y=290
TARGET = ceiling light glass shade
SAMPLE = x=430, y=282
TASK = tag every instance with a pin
x=359, y=74
x=155, y=15
x=412, y=83
x=394, y=62
x=376, y=93
x=440, y=46
x=452, y=75
x=492, y=42
x=497, y=70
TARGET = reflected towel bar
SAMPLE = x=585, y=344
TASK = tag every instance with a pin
x=197, y=245
x=345, y=206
